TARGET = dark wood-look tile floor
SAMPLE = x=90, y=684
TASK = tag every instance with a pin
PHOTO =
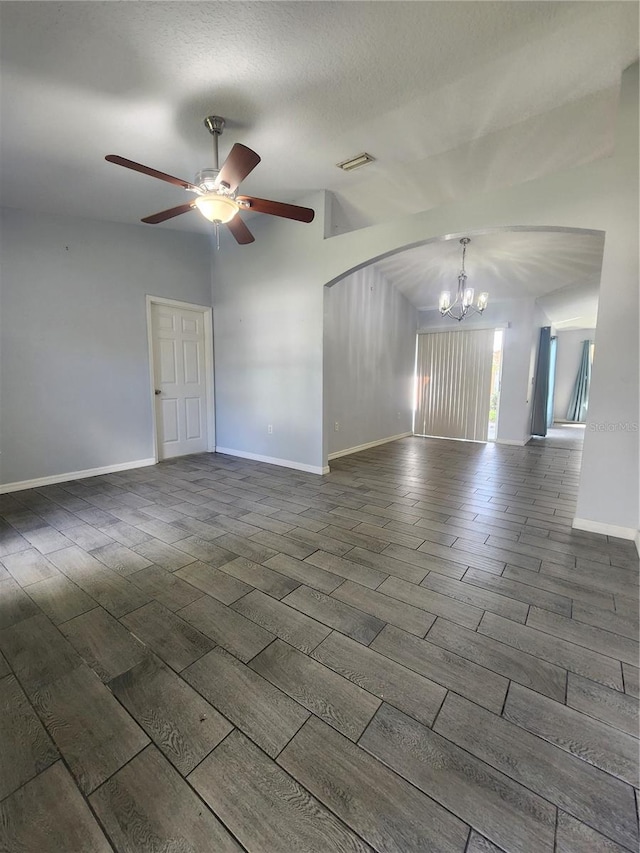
x=413, y=654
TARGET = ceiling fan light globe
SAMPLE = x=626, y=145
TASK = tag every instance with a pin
x=216, y=207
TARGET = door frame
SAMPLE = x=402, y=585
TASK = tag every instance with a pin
x=207, y=316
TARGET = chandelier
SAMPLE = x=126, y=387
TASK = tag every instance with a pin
x=463, y=303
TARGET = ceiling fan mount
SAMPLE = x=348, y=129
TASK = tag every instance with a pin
x=214, y=124
x=216, y=189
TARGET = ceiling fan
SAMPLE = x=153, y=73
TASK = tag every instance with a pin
x=216, y=189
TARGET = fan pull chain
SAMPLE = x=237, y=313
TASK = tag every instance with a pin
x=217, y=227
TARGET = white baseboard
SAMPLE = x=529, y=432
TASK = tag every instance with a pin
x=273, y=460
x=366, y=446
x=73, y=475
x=608, y=530
x=511, y=441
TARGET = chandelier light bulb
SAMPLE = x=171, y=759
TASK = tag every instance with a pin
x=445, y=300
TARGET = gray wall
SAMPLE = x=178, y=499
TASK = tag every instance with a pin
x=369, y=360
x=569, y=353
x=268, y=318
x=74, y=358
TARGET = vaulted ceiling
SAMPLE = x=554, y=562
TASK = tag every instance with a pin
x=451, y=98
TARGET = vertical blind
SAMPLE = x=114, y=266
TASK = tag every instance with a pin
x=453, y=384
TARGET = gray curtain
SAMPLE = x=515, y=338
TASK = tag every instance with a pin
x=541, y=386
x=553, y=352
x=579, y=401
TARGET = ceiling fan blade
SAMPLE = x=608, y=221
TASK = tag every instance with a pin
x=170, y=213
x=147, y=170
x=240, y=231
x=277, y=208
x=239, y=163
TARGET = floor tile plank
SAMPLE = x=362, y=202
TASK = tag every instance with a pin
x=226, y=627
x=401, y=687
x=444, y=565
x=15, y=604
x=523, y=592
x=388, y=565
x=631, y=679
x=596, y=639
x=347, y=569
x=596, y=798
x=283, y=621
x=175, y=641
x=49, y=815
x=501, y=809
x=260, y=577
x=433, y=602
x=384, y=809
x=93, y=732
x=37, y=652
x=165, y=587
x=506, y=660
x=304, y=572
x=220, y=585
x=559, y=586
x=60, y=599
x=567, y=655
x=120, y=559
x=339, y=702
x=573, y=836
x=398, y=613
x=147, y=805
x=467, y=594
x=181, y=723
x=327, y=610
x=103, y=643
x=29, y=566
x=609, y=706
x=263, y=712
x=595, y=742
x=443, y=666
x=263, y=806
x=478, y=844
x=625, y=625
x=25, y=746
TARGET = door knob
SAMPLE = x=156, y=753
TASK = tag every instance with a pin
x=158, y=392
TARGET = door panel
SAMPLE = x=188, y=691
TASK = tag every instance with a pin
x=180, y=376
x=453, y=384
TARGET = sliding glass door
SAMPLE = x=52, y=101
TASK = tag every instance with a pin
x=453, y=384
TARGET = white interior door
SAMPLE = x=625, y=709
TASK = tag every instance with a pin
x=179, y=363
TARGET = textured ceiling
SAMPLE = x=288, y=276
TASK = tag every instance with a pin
x=560, y=269
x=452, y=98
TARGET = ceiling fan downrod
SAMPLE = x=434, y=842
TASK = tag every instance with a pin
x=215, y=126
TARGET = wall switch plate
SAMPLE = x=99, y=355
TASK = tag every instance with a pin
x=270, y=429
x=336, y=426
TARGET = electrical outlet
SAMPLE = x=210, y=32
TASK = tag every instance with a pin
x=336, y=426
x=398, y=415
x=270, y=429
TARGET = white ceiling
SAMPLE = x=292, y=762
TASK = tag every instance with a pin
x=452, y=98
x=560, y=269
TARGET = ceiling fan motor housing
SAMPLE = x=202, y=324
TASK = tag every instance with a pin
x=207, y=180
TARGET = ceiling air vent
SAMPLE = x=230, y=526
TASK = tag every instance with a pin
x=355, y=162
